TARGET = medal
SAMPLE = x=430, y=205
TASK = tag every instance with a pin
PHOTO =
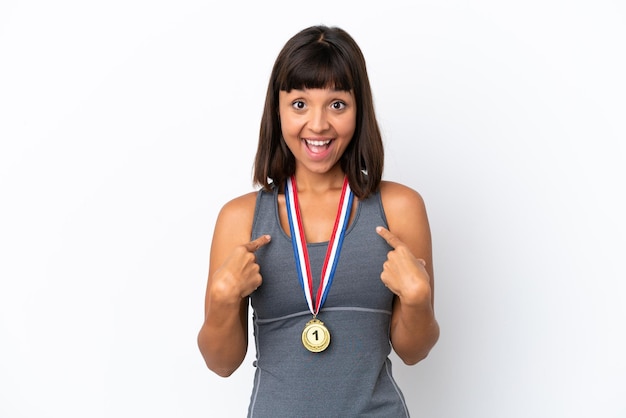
x=316, y=336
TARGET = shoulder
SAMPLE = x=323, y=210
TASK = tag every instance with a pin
x=398, y=199
x=236, y=216
x=240, y=205
x=406, y=216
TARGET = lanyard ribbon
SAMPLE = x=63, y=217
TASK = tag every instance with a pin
x=300, y=251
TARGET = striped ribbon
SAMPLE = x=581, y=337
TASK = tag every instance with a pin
x=300, y=251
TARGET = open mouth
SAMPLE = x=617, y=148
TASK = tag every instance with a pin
x=316, y=146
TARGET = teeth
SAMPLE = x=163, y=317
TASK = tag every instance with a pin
x=317, y=143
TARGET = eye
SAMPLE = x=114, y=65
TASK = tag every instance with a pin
x=298, y=105
x=338, y=105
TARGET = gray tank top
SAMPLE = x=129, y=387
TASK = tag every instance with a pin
x=352, y=377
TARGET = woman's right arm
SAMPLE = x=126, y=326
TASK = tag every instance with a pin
x=233, y=276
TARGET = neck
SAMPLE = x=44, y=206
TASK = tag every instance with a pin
x=319, y=182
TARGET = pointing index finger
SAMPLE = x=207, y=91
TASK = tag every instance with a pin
x=389, y=237
x=252, y=246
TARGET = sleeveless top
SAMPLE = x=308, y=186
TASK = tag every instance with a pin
x=352, y=377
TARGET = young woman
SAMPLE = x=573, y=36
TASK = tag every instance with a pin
x=336, y=263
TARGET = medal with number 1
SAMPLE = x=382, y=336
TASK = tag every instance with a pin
x=316, y=336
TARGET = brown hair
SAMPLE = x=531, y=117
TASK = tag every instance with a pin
x=320, y=57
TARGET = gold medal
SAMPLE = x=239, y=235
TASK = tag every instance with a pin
x=315, y=336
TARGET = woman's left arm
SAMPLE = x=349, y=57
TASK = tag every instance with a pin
x=408, y=272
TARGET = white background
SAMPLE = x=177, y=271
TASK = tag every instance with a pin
x=126, y=125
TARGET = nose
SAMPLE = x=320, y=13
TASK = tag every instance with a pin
x=319, y=120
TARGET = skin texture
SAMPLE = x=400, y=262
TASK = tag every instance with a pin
x=322, y=115
x=408, y=272
x=326, y=117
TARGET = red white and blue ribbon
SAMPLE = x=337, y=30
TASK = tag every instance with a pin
x=298, y=241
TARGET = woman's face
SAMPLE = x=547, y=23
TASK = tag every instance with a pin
x=317, y=125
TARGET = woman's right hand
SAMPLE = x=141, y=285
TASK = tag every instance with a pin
x=239, y=275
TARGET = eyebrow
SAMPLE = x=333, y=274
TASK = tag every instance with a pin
x=333, y=90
